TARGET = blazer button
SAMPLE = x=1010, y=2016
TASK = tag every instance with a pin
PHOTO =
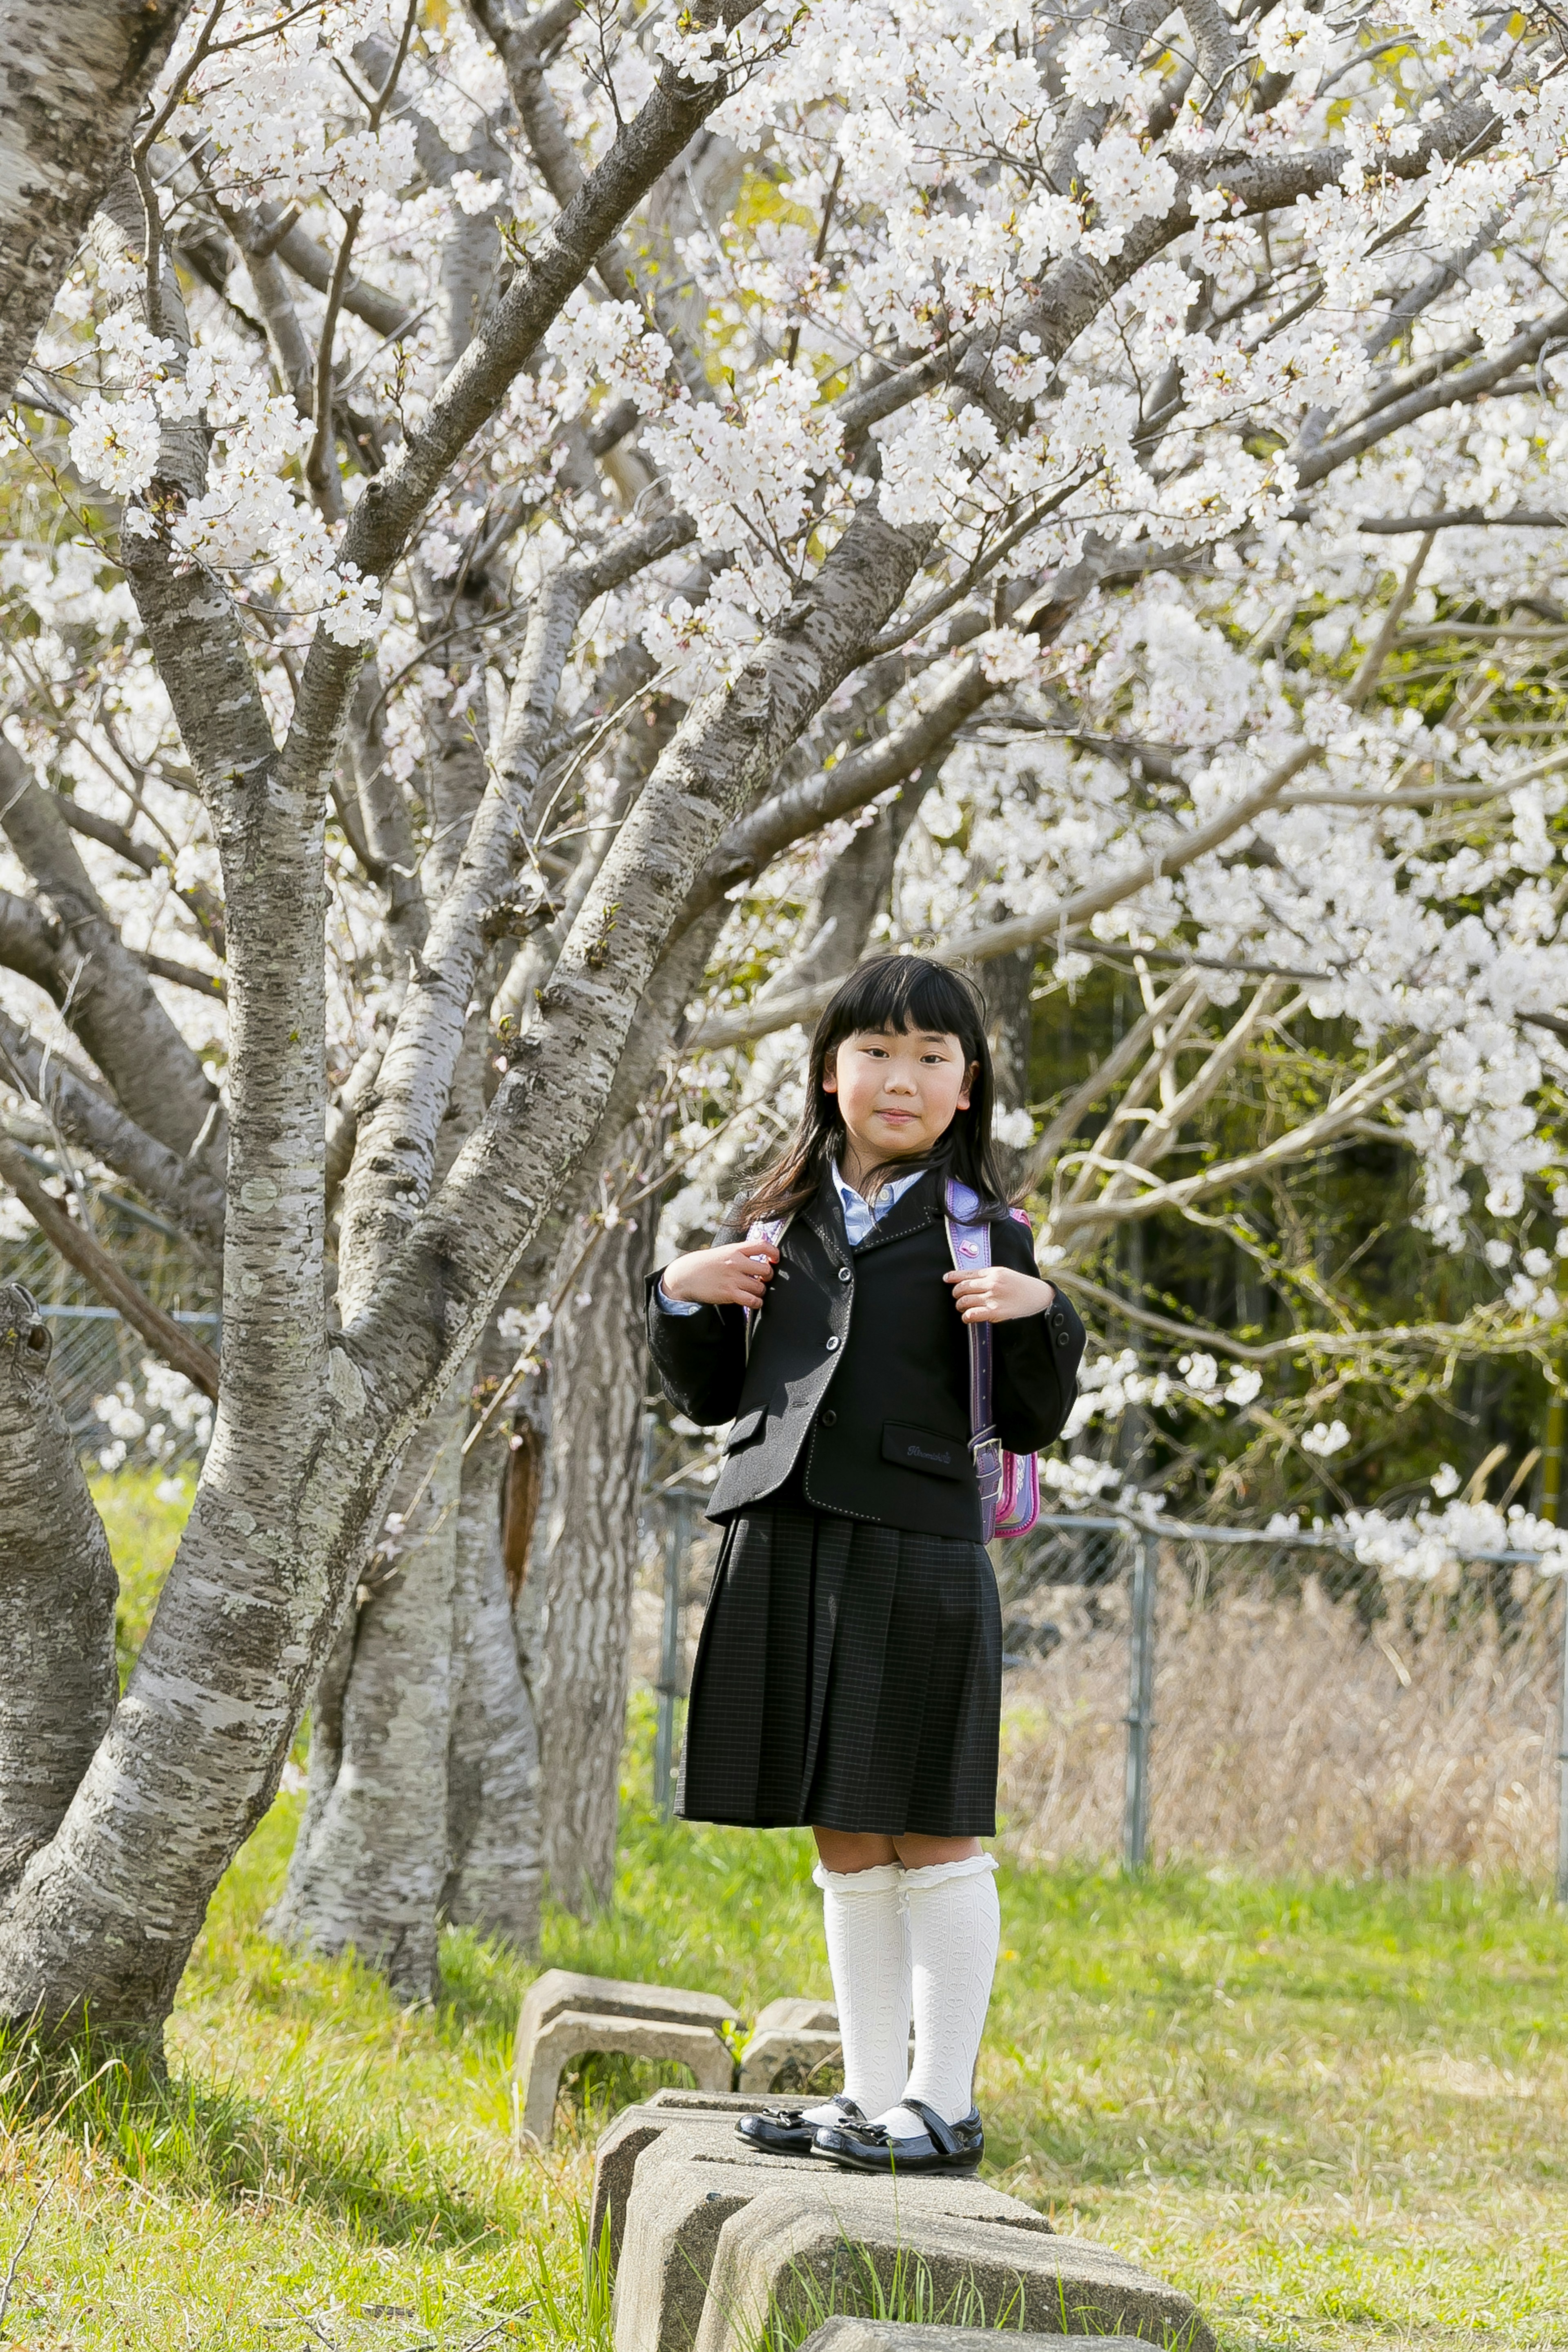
x=828, y=1418
x=843, y=1274
x=831, y=1345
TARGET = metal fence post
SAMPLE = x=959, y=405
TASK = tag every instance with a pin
x=678, y=1544
x=1563, y=1762
x=1140, y=1703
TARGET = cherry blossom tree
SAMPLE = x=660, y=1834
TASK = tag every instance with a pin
x=532, y=539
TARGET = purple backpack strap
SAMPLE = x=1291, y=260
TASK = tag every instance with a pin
x=970, y=1241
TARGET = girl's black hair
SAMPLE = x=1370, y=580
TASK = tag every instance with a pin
x=896, y=992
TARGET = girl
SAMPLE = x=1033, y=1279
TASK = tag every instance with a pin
x=849, y=1673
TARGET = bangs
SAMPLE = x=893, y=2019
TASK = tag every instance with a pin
x=903, y=993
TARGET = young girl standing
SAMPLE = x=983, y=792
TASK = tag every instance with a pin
x=849, y=1673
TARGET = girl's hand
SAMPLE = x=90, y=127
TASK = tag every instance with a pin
x=998, y=1295
x=735, y=1275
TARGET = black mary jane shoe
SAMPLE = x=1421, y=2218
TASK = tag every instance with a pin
x=942, y=2147
x=787, y=2132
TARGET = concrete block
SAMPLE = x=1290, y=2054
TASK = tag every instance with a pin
x=561, y=1989
x=624, y=2140
x=689, y=2183
x=571, y=2034
x=707, y=2102
x=846, y=2334
x=766, y=2054
x=796, y=2013
x=808, y=2250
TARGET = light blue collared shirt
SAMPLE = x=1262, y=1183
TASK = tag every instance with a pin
x=861, y=1216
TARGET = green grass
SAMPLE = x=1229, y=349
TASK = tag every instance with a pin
x=142, y=1535
x=1334, y=2113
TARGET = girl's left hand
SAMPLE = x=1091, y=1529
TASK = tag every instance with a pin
x=998, y=1295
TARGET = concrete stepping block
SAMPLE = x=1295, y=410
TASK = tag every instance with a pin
x=565, y=2016
x=623, y=2139
x=796, y=2013
x=847, y=2335
x=766, y=2054
x=713, y=2235
x=802, y=2249
x=561, y=1989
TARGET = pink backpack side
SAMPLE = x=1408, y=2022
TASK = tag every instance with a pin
x=1009, y=1483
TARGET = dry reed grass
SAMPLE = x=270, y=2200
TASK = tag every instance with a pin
x=1289, y=1738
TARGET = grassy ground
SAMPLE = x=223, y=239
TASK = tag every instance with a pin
x=1334, y=2113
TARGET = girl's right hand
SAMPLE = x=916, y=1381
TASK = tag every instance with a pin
x=735, y=1275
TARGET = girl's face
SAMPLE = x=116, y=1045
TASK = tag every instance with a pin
x=899, y=1091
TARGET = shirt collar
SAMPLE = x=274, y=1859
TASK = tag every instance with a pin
x=893, y=1191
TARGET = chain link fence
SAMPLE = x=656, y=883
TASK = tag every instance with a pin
x=128, y=1412
x=125, y=1409
x=1117, y=1568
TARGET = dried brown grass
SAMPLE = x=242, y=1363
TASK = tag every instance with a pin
x=1288, y=1737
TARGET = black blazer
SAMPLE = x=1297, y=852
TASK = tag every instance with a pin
x=859, y=1370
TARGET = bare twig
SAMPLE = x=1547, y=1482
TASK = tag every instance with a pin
x=20, y=2248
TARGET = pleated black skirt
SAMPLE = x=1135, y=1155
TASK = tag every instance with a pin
x=848, y=1677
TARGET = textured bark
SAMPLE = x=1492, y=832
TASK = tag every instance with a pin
x=72, y=75
x=308, y=1436
x=91, y=1122
x=370, y=1863
x=58, y=1591
x=405, y=1661
x=1007, y=983
x=113, y=1006
x=493, y=1779
x=391, y=1172
x=908, y=750
x=31, y=944
x=587, y=1563
x=388, y=829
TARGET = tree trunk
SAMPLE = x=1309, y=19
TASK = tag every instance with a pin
x=493, y=1781
x=58, y=1591
x=76, y=73
x=311, y=1423
x=370, y=1863
x=587, y=1561
x=1008, y=984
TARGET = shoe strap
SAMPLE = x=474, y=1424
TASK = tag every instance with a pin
x=938, y=2129
x=847, y=2108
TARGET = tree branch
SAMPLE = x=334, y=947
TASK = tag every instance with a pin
x=81, y=1249
x=112, y=1005
x=95, y=1127
x=1373, y=1086
x=74, y=81
x=1060, y=918
x=390, y=1178
x=858, y=778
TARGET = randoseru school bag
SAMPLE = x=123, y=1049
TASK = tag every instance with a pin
x=1009, y=1483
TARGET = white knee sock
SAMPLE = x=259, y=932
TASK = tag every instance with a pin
x=954, y=1926
x=868, y=1951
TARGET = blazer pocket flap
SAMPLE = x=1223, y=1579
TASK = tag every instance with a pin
x=744, y=1427
x=924, y=1449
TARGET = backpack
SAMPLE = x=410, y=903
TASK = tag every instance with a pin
x=1009, y=1483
